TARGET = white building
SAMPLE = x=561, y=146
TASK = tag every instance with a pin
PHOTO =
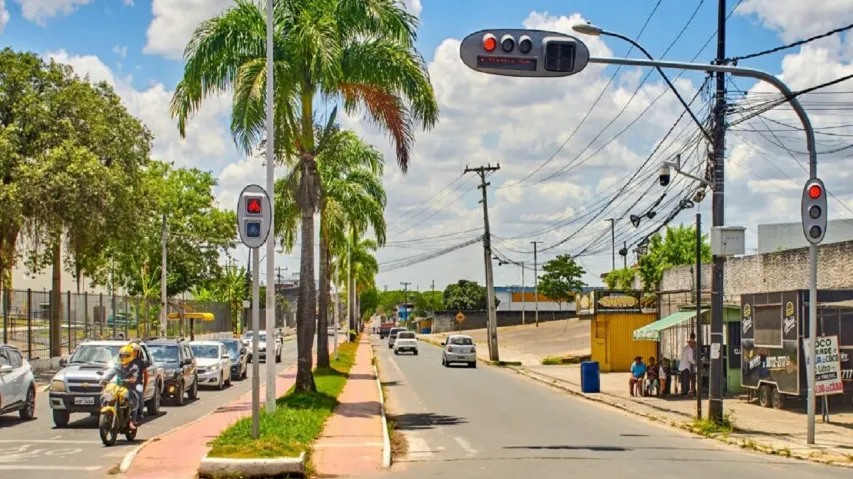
x=782, y=236
x=514, y=298
x=23, y=279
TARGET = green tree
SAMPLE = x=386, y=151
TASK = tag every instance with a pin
x=360, y=52
x=466, y=295
x=562, y=279
x=620, y=279
x=676, y=248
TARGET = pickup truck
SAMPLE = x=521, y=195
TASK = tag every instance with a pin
x=385, y=328
x=76, y=388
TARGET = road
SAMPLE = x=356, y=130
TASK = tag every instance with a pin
x=43, y=451
x=493, y=423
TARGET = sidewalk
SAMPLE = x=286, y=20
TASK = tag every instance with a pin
x=758, y=428
x=176, y=455
x=352, y=439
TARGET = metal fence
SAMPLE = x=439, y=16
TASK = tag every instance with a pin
x=25, y=319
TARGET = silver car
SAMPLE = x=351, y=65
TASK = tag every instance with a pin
x=214, y=363
x=17, y=385
x=459, y=348
x=392, y=336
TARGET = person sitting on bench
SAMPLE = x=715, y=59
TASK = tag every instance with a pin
x=652, y=383
x=638, y=372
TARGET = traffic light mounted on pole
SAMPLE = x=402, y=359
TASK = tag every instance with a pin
x=814, y=211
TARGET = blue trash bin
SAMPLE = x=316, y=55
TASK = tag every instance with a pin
x=590, y=377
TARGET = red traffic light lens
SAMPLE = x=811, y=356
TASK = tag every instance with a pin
x=490, y=42
x=815, y=191
x=253, y=206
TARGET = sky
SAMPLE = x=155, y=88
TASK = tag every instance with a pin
x=561, y=161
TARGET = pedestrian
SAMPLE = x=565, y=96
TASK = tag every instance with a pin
x=652, y=383
x=686, y=364
x=638, y=371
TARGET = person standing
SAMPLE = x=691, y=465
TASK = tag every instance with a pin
x=686, y=364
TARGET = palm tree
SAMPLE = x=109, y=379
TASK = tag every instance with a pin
x=360, y=52
x=361, y=265
x=351, y=192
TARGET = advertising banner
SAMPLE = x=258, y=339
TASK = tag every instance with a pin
x=827, y=366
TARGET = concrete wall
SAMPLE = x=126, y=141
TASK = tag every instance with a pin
x=445, y=321
x=779, y=271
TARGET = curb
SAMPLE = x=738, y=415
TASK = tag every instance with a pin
x=386, y=438
x=130, y=456
x=217, y=467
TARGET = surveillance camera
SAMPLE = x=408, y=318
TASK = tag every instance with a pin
x=664, y=175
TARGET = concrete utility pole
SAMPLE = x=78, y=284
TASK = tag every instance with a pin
x=432, y=300
x=625, y=256
x=164, y=314
x=613, y=241
x=523, y=294
x=715, y=396
x=698, y=352
x=405, y=300
x=487, y=251
x=536, y=277
x=271, y=393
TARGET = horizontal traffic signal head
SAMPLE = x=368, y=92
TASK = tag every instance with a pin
x=524, y=53
x=813, y=210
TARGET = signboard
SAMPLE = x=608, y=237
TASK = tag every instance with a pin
x=614, y=302
x=827, y=366
x=585, y=303
x=460, y=317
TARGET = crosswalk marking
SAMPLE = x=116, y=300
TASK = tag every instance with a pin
x=466, y=446
x=418, y=448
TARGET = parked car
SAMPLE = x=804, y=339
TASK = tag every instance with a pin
x=239, y=358
x=406, y=341
x=392, y=336
x=17, y=385
x=459, y=348
x=214, y=363
x=179, y=368
x=75, y=388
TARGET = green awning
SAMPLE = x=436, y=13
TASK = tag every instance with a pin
x=651, y=332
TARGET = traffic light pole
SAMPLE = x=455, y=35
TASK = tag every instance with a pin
x=270, y=299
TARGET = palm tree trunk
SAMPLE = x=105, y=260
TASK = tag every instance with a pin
x=323, y=306
x=307, y=307
x=351, y=290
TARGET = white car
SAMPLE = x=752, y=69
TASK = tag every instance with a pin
x=262, y=346
x=459, y=348
x=213, y=363
x=392, y=336
x=406, y=341
x=17, y=385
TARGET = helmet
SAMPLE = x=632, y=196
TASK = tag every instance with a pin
x=137, y=349
x=125, y=354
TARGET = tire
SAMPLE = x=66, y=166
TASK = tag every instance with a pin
x=61, y=418
x=154, y=403
x=228, y=382
x=777, y=399
x=130, y=435
x=180, y=399
x=193, y=392
x=245, y=372
x=396, y=353
x=278, y=357
x=221, y=384
x=106, y=431
x=416, y=352
x=764, y=393
x=473, y=365
x=29, y=410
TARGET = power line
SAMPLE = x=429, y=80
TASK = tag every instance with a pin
x=735, y=60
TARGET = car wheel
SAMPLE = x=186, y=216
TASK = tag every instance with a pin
x=245, y=371
x=278, y=357
x=61, y=418
x=154, y=403
x=228, y=382
x=29, y=410
x=416, y=352
x=179, y=395
x=472, y=365
x=193, y=394
x=396, y=353
x=221, y=384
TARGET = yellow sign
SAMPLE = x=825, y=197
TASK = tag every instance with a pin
x=460, y=317
x=618, y=301
x=789, y=309
x=747, y=311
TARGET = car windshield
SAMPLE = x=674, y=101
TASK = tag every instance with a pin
x=208, y=351
x=91, y=353
x=461, y=341
x=406, y=336
x=262, y=338
x=233, y=348
x=162, y=353
x=247, y=335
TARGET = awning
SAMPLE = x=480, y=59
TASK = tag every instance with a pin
x=201, y=316
x=651, y=332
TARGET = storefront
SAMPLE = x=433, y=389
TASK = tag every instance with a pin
x=614, y=315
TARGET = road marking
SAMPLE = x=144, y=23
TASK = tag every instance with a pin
x=466, y=446
x=47, y=441
x=49, y=468
x=418, y=448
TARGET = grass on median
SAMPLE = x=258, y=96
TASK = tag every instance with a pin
x=557, y=360
x=297, y=421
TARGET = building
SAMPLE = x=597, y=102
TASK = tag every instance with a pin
x=23, y=279
x=516, y=298
x=785, y=236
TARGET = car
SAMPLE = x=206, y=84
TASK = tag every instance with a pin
x=239, y=358
x=392, y=336
x=331, y=331
x=76, y=387
x=214, y=363
x=262, y=347
x=17, y=384
x=180, y=375
x=406, y=341
x=459, y=348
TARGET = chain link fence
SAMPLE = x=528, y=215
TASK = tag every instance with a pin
x=25, y=319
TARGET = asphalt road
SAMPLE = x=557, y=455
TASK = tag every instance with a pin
x=493, y=423
x=43, y=452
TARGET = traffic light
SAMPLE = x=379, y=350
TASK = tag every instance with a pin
x=253, y=229
x=814, y=211
x=253, y=216
x=524, y=53
x=254, y=205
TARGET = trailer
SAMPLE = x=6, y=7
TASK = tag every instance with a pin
x=774, y=332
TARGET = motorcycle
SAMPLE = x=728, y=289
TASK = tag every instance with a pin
x=115, y=413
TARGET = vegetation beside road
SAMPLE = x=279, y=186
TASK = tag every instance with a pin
x=297, y=421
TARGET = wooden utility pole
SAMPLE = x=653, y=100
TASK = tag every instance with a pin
x=487, y=251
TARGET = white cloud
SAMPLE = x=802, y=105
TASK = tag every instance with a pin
x=175, y=21
x=795, y=19
x=38, y=11
x=121, y=51
x=413, y=6
x=4, y=15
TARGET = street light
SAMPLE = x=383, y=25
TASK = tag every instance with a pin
x=555, y=54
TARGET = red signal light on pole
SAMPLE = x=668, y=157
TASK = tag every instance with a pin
x=253, y=206
x=490, y=42
x=815, y=191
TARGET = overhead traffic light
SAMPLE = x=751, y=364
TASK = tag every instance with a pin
x=814, y=212
x=524, y=53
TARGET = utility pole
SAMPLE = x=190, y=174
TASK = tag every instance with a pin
x=625, y=256
x=432, y=300
x=715, y=397
x=536, y=277
x=487, y=251
x=406, y=300
x=523, y=294
x=698, y=352
x=613, y=241
x=164, y=314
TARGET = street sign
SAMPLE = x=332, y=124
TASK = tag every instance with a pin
x=253, y=216
x=524, y=53
x=460, y=317
x=814, y=211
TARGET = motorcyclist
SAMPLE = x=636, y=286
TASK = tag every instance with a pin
x=129, y=371
x=143, y=365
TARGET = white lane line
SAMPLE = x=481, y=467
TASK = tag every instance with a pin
x=47, y=441
x=48, y=468
x=466, y=446
x=418, y=448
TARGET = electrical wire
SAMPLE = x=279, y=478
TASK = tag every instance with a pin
x=734, y=60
